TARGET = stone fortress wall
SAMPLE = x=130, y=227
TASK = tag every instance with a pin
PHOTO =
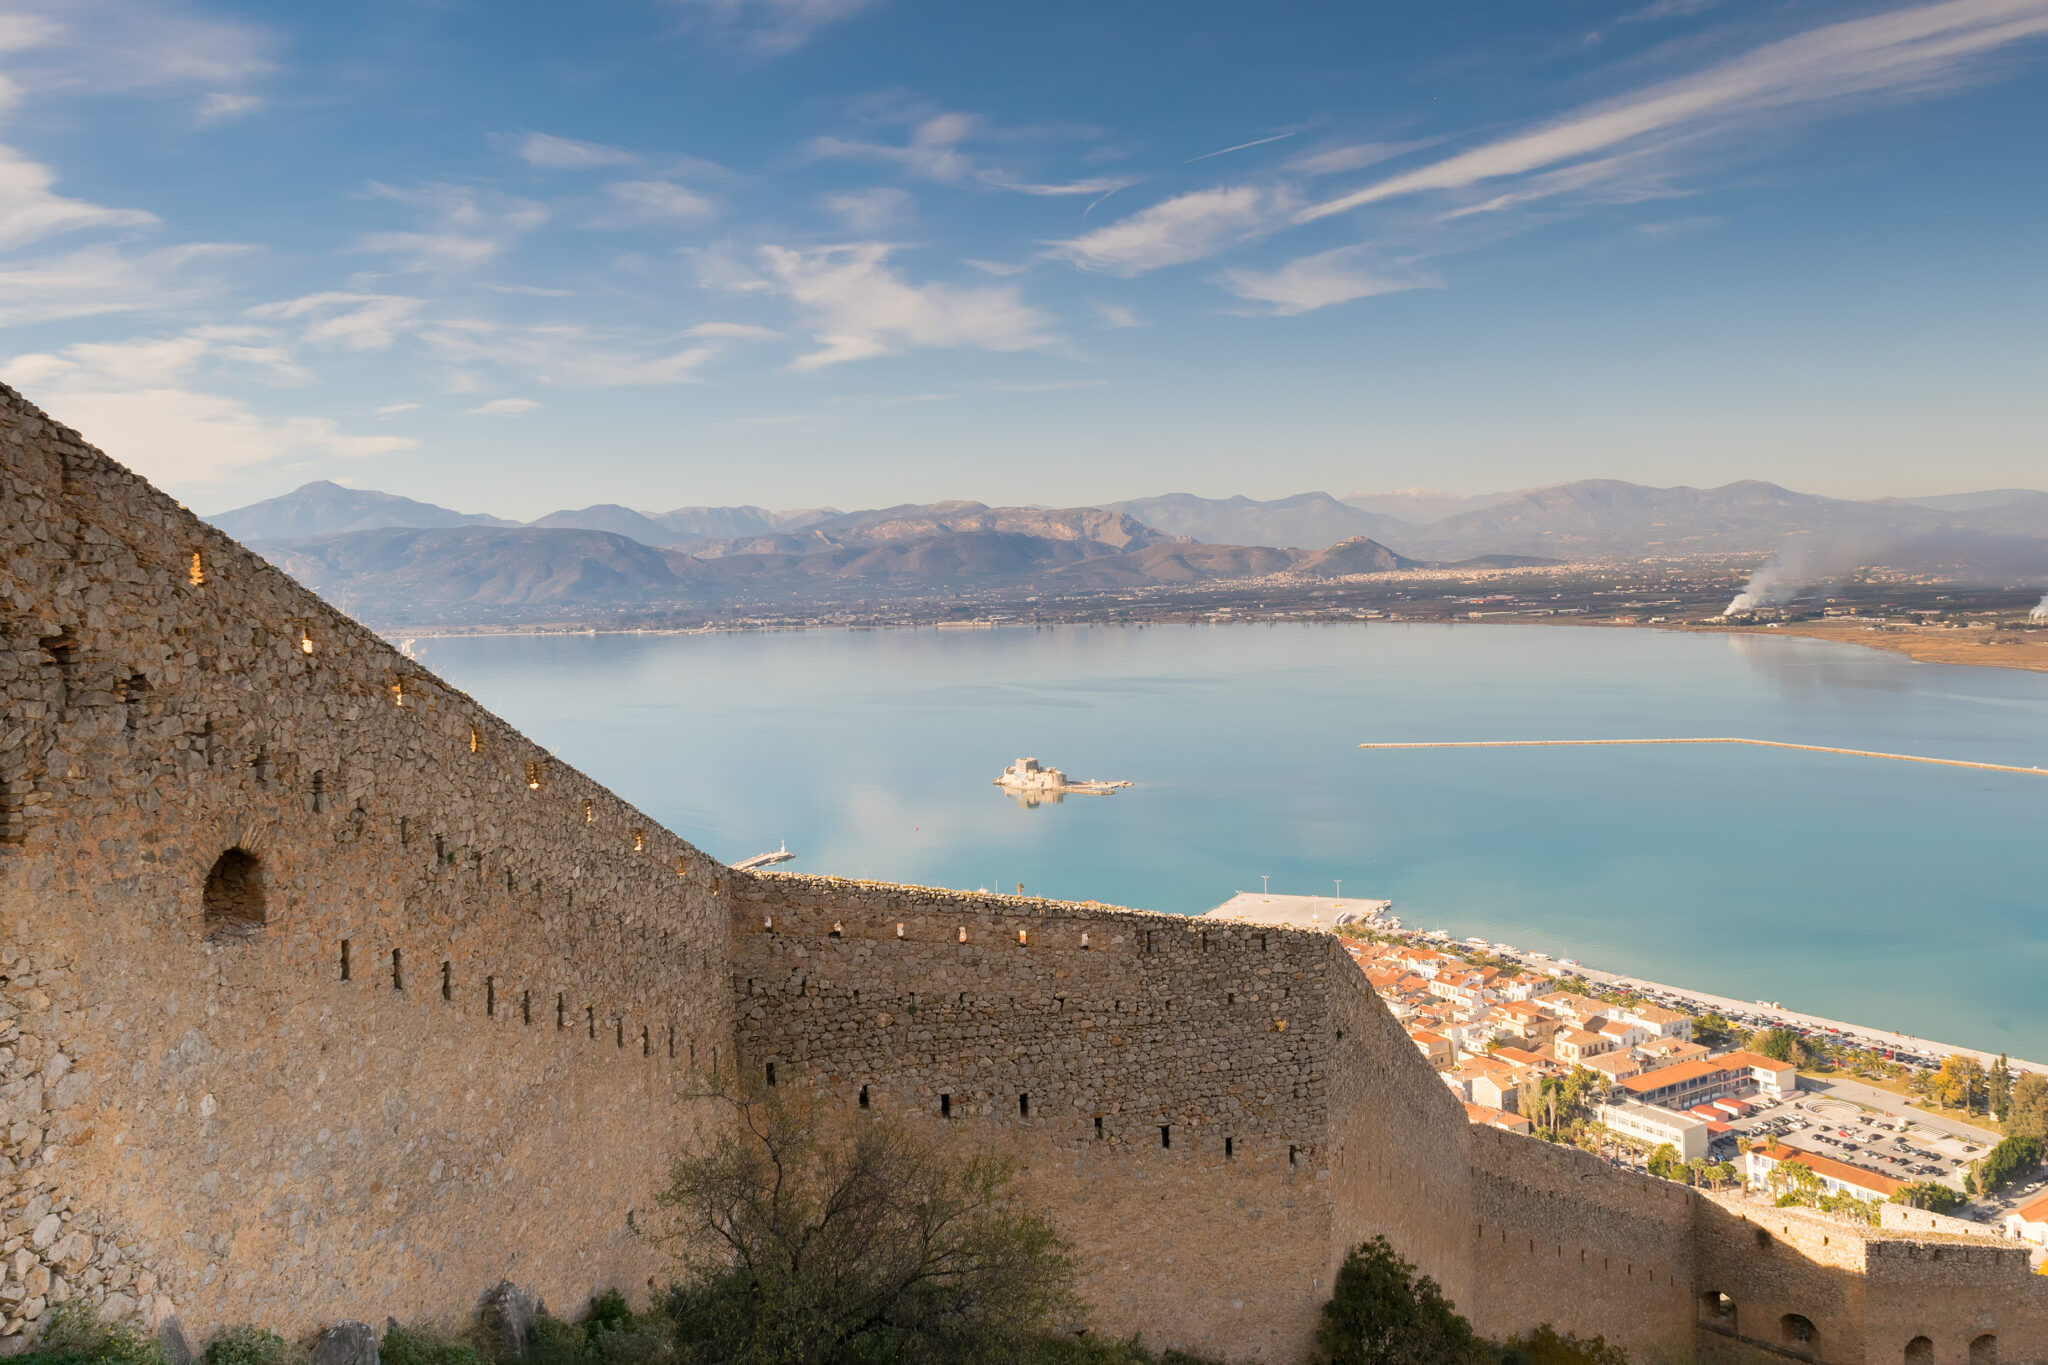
x=325, y=994
x=439, y=1026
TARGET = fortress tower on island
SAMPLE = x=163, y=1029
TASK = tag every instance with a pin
x=325, y=994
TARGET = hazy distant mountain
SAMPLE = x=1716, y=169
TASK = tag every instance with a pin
x=686, y=523
x=410, y=573
x=611, y=518
x=1604, y=518
x=1975, y=502
x=1306, y=519
x=602, y=558
x=555, y=572
x=1106, y=526
x=322, y=508
x=326, y=508
x=1420, y=506
x=727, y=523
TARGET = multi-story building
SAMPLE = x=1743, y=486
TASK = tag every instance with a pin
x=1657, y=1127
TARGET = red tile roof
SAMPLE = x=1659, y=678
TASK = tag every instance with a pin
x=1674, y=1075
x=1828, y=1166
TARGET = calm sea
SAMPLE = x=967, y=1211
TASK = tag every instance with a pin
x=1893, y=894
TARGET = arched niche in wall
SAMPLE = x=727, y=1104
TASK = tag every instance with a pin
x=234, y=902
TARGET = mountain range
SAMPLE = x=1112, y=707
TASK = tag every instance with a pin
x=394, y=556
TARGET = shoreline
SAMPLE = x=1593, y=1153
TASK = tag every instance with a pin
x=1962, y=648
x=1862, y=1034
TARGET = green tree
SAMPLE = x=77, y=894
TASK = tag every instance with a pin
x=1779, y=1044
x=2028, y=1113
x=1712, y=1029
x=2010, y=1159
x=1725, y=1174
x=1546, y=1346
x=1664, y=1162
x=1381, y=1313
x=2001, y=1088
x=1931, y=1195
x=1960, y=1083
x=814, y=1244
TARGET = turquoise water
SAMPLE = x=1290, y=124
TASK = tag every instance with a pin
x=1896, y=895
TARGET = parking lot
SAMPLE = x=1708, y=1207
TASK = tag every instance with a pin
x=1886, y=1144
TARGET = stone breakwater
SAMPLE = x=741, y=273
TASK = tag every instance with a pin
x=325, y=995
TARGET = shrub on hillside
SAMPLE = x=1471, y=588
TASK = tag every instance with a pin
x=74, y=1335
x=424, y=1346
x=1547, y=1346
x=253, y=1346
x=860, y=1241
x=1381, y=1313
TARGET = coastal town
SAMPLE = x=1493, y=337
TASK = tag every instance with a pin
x=1787, y=1108
x=1533, y=1047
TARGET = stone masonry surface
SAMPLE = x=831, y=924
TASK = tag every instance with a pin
x=324, y=994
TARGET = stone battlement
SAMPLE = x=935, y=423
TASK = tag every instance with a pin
x=324, y=993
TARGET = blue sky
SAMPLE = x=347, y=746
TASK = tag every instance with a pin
x=516, y=256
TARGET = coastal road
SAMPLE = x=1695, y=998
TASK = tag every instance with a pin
x=1852, y=1032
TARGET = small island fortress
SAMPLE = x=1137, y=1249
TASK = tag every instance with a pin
x=325, y=994
x=1026, y=775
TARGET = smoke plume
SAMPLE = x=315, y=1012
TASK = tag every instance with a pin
x=2040, y=611
x=1807, y=560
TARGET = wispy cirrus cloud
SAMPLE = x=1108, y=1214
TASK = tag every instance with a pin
x=568, y=354
x=129, y=46
x=31, y=209
x=640, y=202
x=869, y=210
x=1900, y=53
x=545, y=151
x=465, y=227
x=858, y=307
x=772, y=27
x=143, y=398
x=1187, y=227
x=1317, y=281
x=502, y=407
x=356, y=322
x=935, y=149
x=95, y=280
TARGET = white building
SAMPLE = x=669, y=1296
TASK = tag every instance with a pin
x=2029, y=1222
x=1648, y=1123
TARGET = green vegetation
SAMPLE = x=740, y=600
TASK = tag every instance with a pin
x=1797, y=1184
x=1382, y=1313
x=1664, y=1163
x=2028, y=1113
x=808, y=1242
x=2010, y=1159
x=1547, y=1346
x=1560, y=1108
x=1931, y=1195
x=253, y=1346
x=74, y=1335
x=1713, y=1030
x=423, y=1346
x=2001, y=1088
